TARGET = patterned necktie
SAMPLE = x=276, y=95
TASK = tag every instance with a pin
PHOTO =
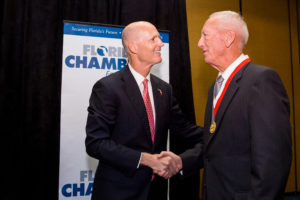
x=218, y=85
x=148, y=106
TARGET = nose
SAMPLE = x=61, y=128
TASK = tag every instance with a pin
x=160, y=43
x=201, y=43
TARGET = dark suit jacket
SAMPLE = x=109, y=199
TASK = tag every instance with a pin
x=249, y=155
x=118, y=131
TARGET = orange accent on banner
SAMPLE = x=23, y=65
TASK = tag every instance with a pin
x=228, y=82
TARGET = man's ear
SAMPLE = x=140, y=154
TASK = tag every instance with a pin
x=132, y=47
x=229, y=38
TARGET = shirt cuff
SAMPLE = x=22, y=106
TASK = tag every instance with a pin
x=139, y=161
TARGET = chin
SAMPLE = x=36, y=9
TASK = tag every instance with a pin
x=157, y=61
x=206, y=60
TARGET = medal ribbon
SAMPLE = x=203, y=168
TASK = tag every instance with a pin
x=243, y=63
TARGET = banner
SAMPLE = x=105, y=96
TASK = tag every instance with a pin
x=90, y=52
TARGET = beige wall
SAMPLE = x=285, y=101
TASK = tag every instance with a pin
x=273, y=42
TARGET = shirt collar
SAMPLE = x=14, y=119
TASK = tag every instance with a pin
x=137, y=76
x=232, y=67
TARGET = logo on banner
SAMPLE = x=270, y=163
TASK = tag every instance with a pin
x=98, y=57
x=102, y=51
x=82, y=188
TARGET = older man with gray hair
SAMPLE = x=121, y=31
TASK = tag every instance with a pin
x=247, y=132
x=247, y=137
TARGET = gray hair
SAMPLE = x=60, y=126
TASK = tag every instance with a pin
x=231, y=19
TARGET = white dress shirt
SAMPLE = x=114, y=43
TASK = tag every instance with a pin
x=139, y=80
x=226, y=74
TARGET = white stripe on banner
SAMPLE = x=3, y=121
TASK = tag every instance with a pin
x=90, y=52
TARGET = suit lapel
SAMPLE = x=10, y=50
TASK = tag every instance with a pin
x=208, y=115
x=134, y=95
x=231, y=90
x=227, y=99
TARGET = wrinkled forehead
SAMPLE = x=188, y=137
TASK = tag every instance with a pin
x=212, y=25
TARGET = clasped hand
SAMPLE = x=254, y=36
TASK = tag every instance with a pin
x=166, y=164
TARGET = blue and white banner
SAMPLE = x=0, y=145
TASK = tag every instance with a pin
x=90, y=52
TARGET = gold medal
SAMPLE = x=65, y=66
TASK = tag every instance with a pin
x=212, y=127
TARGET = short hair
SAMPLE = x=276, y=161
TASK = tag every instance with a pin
x=233, y=20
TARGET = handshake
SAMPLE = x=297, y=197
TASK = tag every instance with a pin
x=166, y=164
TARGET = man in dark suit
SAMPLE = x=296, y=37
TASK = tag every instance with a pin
x=247, y=137
x=247, y=133
x=130, y=113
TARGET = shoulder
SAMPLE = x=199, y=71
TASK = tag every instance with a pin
x=259, y=77
x=112, y=79
x=257, y=69
x=159, y=81
x=106, y=88
x=259, y=73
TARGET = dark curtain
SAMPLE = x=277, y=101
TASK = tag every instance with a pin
x=30, y=84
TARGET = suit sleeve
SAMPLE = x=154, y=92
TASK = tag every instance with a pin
x=102, y=113
x=192, y=135
x=270, y=136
